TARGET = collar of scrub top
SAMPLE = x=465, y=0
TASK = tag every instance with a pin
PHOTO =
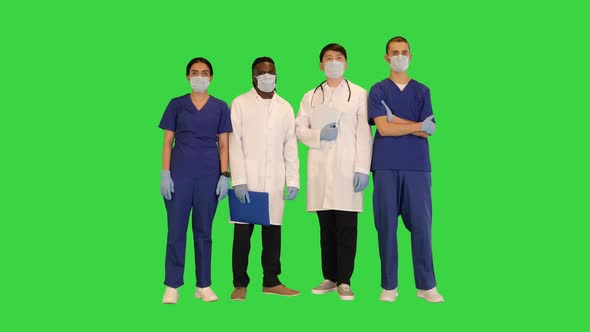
x=321, y=87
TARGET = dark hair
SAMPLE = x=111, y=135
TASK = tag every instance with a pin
x=261, y=60
x=398, y=39
x=333, y=47
x=196, y=60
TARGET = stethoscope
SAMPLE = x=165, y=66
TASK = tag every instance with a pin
x=322, y=88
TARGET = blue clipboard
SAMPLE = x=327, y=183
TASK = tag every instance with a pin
x=255, y=212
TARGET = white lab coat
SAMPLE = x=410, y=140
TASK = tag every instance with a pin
x=331, y=165
x=263, y=148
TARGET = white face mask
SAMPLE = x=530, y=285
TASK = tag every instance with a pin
x=199, y=83
x=334, y=69
x=266, y=82
x=399, y=63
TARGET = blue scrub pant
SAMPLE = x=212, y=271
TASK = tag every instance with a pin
x=197, y=193
x=405, y=193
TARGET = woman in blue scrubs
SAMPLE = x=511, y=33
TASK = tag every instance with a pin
x=194, y=176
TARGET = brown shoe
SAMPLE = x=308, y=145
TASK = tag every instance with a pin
x=239, y=294
x=280, y=290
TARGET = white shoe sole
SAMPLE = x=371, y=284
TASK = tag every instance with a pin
x=441, y=300
x=388, y=299
x=211, y=299
x=346, y=297
x=323, y=291
x=270, y=293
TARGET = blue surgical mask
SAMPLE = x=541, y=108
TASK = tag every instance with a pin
x=334, y=69
x=266, y=82
x=199, y=83
x=399, y=63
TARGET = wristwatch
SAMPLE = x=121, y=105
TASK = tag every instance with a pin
x=226, y=174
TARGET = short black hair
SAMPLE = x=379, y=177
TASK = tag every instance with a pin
x=195, y=60
x=398, y=39
x=261, y=60
x=333, y=47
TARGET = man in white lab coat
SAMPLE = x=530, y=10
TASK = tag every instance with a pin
x=339, y=161
x=263, y=158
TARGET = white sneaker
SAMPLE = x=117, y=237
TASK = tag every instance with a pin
x=206, y=294
x=170, y=296
x=345, y=292
x=326, y=286
x=388, y=295
x=430, y=295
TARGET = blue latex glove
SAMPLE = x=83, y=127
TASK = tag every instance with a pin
x=222, y=187
x=291, y=193
x=428, y=125
x=241, y=191
x=166, y=185
x=329, y=132
x=360, y=181
x=390, y=115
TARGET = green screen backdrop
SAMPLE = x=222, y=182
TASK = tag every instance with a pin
x=83, y=228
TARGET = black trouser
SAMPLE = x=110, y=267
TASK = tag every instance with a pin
x=271, y=254
x=338, y=233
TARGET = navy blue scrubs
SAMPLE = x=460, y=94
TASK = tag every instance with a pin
x=402, y=185
x=195, y=170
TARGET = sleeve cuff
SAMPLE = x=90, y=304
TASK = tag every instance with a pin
x=365, y=171
x=237, y=181
x=164, y=127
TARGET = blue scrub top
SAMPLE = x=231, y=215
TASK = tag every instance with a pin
x=407, y=152
x=195, y=149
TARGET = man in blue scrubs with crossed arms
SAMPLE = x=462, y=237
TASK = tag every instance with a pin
x=401, y=109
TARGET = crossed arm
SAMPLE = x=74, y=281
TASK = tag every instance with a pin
x=398, y=127
x=399, y=120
